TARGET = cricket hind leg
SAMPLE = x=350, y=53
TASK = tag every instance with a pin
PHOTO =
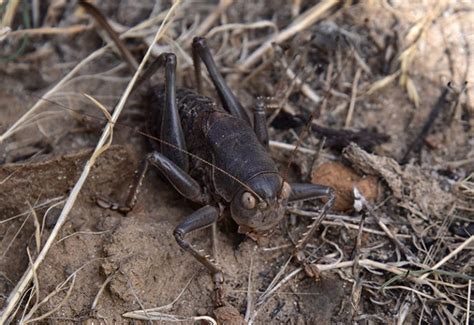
x=171, y=133
x=173, y=143
x=164, y=120
x=202, y=52
x=183, y=183
x=305, y=191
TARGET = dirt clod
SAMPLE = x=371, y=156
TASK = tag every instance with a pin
x=343, y=179
x=228, y=315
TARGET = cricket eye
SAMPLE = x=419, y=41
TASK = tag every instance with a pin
x=248, y=200
x=285, y=191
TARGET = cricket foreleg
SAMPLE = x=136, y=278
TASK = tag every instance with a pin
x=204, y=217
x=302, y=192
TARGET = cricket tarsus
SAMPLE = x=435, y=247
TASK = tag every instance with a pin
x=243, y=177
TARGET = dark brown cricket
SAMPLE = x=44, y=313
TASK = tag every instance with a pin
x=216, y=157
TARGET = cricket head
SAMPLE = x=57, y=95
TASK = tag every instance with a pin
x=259, y=207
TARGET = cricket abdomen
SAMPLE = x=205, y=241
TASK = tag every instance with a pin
x=216, y=136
